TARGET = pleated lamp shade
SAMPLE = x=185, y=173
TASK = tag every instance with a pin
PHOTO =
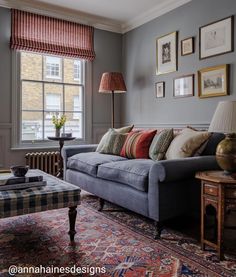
x=224, y=119
x=112, y=81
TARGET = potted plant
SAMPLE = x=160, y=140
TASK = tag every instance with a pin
x=59, y=122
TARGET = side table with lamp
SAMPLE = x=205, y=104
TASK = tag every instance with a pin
x=218, y=192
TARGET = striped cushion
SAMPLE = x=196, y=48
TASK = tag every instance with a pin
x=122, y=130
x=160, y=144
x=137, y=145
x=113, y=143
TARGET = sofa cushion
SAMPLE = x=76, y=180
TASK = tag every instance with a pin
x=122, y=130
x=130, y=172
x=114, y=143
x=160, y=144
x=137, y=144
x=186, y=143
x=89, y=162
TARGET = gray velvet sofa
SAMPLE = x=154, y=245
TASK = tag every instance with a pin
x=158, y=190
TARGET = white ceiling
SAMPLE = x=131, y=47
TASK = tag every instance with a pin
x=113, y=15
x=119, y=10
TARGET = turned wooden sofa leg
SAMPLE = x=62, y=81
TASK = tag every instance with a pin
x=101, y=204
x=158, y=229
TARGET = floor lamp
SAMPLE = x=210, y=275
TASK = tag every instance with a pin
x=112, y=82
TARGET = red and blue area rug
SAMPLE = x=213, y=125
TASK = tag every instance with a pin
x=118, y=240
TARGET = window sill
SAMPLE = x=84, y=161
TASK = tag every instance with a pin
x=45, y=146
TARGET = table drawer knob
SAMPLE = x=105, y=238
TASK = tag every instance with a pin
x=210, y=189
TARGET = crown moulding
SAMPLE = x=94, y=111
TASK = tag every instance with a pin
x=93, y=20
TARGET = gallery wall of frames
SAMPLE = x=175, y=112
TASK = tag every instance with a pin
x=215, y=38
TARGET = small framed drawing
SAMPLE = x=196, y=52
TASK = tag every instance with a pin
x=213, y=81
x=160, y=89
x=216, y=38
x=184, y=86
x=166, y=53
x=187, y=46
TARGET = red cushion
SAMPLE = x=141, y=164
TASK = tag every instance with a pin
x=137, y=145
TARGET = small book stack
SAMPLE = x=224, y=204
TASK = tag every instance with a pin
x=9, y=182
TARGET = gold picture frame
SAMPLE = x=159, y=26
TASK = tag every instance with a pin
x=213, y=81
x=167, y=53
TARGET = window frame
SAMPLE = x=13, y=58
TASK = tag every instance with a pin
x=16, y=107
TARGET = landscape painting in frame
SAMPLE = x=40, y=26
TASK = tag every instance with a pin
x=213, y=81
x=166, y=53
x=216, y=38
x=184, y=86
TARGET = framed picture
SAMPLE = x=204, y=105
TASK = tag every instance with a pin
x=216, y=38
x=166, y=53
x=187, y=46
x=213, y=81
x=160, y=89
x=184, y=86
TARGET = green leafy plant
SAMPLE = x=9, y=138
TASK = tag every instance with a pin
x=58, y=120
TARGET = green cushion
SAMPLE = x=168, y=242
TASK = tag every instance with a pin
x=160, y=144
x=114, y=143
x=122, y=130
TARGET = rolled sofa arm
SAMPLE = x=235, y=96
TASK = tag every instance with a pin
x=71, y=150
x=180, y=169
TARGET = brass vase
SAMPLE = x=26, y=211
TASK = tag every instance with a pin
x=226, y=154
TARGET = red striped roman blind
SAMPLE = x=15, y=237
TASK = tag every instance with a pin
x=39, y=33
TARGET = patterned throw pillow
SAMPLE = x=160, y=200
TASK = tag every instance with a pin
x=137, y=145
x=113, y=143
x=186, y=143
x=160, y=144
x=122, y=130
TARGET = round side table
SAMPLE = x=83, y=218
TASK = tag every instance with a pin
x=61, y=144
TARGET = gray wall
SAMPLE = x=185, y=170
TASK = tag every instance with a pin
x=108, y=58
x=139, y=105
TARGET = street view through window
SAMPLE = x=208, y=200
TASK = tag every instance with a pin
x=50, y=85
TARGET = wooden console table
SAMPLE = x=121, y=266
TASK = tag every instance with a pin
x=218, y=197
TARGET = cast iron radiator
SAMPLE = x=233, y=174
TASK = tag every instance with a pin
x=45, y=161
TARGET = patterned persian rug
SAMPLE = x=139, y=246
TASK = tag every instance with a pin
x=117, y=239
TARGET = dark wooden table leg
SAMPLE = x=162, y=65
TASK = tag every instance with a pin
x=72, y=218
x=60, y=173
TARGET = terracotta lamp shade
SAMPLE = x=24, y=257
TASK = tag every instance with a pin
x=224, y=121
x=112, y=82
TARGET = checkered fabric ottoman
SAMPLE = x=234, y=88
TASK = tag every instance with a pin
x=55, y=195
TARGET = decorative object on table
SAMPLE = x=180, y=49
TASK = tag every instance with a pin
x=216, y=38
x=59, y=122
x=112, y=82
x=160, y=89
x=66, y=135
x=19, y=170
x=187, y=46
x=61, y=144
x=8, y=181
x=213, y=81
x=224, y=121
x=167, y=53
x=184, y=86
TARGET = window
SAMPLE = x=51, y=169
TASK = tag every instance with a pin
x=53, y=67
x=41, y=97
x=77, y=71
